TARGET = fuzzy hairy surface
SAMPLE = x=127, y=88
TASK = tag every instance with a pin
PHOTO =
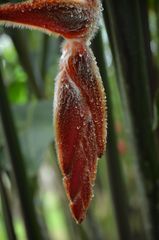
x=79, y=99
x=80, y=123
x=71, y=19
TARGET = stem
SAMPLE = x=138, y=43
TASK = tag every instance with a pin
x=45, y=50
x=94, y=227
x=156, y=9
x=118, y=189
x=34, y=77
x=128, y=32
x=7, y=211
x=27, y=206
x=152, y=75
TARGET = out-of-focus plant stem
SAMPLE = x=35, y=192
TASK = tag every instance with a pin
x=6, y=210
x=127, y=118
x=118, y=189
x=152, y=76
x=46, y=40
x=34, y=77
x=128, y=33
x=96, y=233
x=156, y=8
x=27, y=206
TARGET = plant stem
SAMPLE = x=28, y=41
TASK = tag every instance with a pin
x=152, y=76
x=27, y=206
x=7, y=211
x=34, y=77
x=128, y=34
x=118, y=188
x=45, y=50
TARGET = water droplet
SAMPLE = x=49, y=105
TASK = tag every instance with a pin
x=66, y=86
x=82, y=115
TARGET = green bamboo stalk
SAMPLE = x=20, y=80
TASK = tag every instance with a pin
x=27, y=206
x=127, y=120
x=128, y=33
x=83, y=234
x=7, y=211
x=150, y=65
x=118, y=188
x=34, y=77
x=45, y=50
x=156, y=8
x=92, y=224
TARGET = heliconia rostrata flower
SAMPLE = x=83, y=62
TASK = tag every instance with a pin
x=79, y=99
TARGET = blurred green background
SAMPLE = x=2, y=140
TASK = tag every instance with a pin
x=125, y=206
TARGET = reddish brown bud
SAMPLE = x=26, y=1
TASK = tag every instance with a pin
x=79, y=102
x=80, y=123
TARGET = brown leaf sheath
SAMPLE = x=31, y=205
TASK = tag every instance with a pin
x=71, y=19
x=80, y=123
